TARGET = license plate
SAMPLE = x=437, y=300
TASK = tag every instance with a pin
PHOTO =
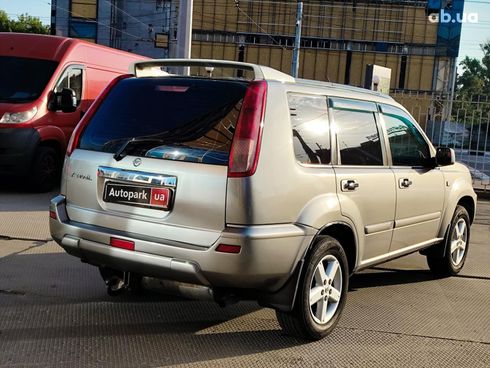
x=135, y=195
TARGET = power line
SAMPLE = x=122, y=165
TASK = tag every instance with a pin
x=258, y=26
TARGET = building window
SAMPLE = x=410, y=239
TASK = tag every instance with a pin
x=86, y=9
x=85, y=30
x=161, y=40
x=83, y=19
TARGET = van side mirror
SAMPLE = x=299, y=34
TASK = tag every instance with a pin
x=67, y=100
x=445, y=156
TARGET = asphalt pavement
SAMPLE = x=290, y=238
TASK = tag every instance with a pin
x=54, y=312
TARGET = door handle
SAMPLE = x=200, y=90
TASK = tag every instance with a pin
x=349, y=185
x=405, y=183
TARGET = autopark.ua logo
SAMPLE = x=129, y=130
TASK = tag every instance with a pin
x=446, y=17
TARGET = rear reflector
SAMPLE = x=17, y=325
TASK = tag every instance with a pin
x=121, y=243
x=52, y=214
x=244, y=153
x=225, y=248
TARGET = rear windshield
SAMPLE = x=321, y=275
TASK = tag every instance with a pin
x=186, y=119
x=22, y=79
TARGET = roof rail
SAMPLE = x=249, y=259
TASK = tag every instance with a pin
x=147, y=68
x=343, y=87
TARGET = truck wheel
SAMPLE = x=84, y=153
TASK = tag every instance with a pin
x=321, y=294
x=456, y=244
x=45, y=169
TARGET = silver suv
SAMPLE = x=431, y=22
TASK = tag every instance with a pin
x=246, y=183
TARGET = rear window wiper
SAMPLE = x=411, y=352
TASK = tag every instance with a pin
x=122, y=151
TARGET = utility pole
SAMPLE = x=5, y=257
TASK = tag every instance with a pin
x=297, y=40
x=184, y=31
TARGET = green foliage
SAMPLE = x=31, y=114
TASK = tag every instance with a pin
x=471, y=102
x=23, y=24
x=475, y=79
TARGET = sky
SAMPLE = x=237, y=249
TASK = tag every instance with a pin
x=472, y=34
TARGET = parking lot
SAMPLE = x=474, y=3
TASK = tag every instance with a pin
x=54, y=311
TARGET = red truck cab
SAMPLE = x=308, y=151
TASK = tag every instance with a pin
x=47, y=83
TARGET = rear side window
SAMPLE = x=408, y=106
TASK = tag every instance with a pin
x=358, y=137
x=309, y=123
x=175, y=118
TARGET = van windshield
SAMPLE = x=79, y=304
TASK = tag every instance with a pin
x=185, y=119
x=22, y=79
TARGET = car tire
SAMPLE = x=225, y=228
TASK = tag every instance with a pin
x=45, y=169
x=456, y=243
x=324, y=281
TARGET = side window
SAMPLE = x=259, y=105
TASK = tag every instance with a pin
x=72, y=78
x=408, y=147
x=357, y=137
x=309, y=123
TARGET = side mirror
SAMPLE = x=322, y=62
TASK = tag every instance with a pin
x=445, y=156
x=67, y=100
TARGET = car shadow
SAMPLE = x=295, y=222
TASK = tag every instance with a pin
x=54, y=297
x=384, y=276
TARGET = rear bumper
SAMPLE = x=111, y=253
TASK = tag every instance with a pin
x=17, y=146
x=268, y=257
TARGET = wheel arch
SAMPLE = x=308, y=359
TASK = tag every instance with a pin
x=469, y=204
x=346, y=236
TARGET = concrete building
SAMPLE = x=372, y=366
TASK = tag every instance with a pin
x=139, y=26
x=339, y=38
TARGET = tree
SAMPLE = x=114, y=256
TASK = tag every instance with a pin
x=472, y=103
x=4, y=22
x=475, y=79
x=24, y=24
x=472, y=81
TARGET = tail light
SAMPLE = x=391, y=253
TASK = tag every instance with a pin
x=75, y=137
x=245, y=148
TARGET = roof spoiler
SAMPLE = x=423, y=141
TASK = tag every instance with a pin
x=154, y=68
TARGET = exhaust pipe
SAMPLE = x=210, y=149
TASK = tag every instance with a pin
x=118, y=281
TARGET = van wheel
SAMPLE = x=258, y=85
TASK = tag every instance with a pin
x=45, y=169
x=321, y=294
x=456, y=242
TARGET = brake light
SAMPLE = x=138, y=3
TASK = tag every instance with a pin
x=245, y=147
x=52, y=214
x=225, y=248
x=82, y=124
x=121, y=243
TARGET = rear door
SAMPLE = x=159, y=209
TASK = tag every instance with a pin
x=419, y=187
x=365, y=183
x=169, y=182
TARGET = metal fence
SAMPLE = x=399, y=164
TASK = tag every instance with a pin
x=462, y=123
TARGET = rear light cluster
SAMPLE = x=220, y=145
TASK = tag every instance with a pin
x=75, y=137
x=245, y=148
